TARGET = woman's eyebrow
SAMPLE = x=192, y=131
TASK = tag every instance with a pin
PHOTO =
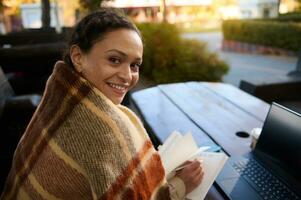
x=122, y=53
x=117, y=51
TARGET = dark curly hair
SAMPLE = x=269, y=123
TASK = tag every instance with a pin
x=92, y=29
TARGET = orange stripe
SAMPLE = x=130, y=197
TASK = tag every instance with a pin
x=128, y=171
x=154, y=172
x=146, y=181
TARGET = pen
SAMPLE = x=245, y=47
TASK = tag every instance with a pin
x=183, y=166
x=179, y=168
x=200, y=150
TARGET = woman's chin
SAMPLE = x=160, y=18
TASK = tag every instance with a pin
x=117, y=100
x=115, y=96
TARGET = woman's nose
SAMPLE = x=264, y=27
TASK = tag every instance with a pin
x=125, y=73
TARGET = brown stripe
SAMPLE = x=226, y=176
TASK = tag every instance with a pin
x=56, y=91
x=128, y=172
x=28, y=188
x=163, y=193
x=9, y=182
x=51, y=104
x=22, y=194
x=69, y=183
x=51, y=99
x=139, y=188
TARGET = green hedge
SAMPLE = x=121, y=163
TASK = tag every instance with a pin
x=268, y=33
x=169, y=58
x=287, y=17
x=293, y=17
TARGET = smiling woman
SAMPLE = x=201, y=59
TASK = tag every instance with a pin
x=112, y=64
x=81, y=143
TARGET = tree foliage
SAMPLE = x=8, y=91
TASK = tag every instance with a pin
x=1, y=5
x=169, y=58
x=91, y=5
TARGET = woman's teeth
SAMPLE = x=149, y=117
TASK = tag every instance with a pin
x=118, y=87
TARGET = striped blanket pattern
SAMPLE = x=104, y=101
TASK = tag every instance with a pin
x=79, y=145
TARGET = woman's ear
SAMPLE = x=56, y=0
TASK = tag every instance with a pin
x=76, y=57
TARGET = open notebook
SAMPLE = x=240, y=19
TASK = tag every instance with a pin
x=179, y=148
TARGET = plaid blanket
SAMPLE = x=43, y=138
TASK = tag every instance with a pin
x=79, y=145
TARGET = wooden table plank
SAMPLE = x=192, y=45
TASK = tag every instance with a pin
x=245, y=101
x=163, y=117
x=218, y=118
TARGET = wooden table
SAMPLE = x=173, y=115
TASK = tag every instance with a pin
x=213, y=112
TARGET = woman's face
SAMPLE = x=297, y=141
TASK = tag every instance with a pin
x=112, y=64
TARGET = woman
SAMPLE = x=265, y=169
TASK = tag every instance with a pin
x=81, y=143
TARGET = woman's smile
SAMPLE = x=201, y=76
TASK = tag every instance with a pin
x=119, y=89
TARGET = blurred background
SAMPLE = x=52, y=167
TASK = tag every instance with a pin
x=252, y=44
x=189, y=15
x=213, y=28
x=246, y=43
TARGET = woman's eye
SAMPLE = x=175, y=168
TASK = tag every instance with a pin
x=114, y=60
x=135, y=66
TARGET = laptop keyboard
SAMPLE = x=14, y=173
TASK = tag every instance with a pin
x=267, y=185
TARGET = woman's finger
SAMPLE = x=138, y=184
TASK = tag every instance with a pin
x=199, y=178
x=195, y=165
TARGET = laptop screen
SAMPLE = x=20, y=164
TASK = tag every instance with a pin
x=281, y=138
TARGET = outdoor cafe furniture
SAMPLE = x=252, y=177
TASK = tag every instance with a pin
x=217, y=114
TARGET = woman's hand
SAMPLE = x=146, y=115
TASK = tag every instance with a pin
x=192, y=174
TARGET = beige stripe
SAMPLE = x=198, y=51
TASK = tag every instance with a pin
x=93, y=194
x=96, y=91
x=144, y=161
x=93, y=109
x=136, y=131
x=17, y=176
x=133, y=118
x=35, y=184
x=67, y=159
x=35, y=146
x=99, y=113
x=23, y=194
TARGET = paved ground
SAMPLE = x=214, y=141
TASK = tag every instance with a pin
x=246, y=66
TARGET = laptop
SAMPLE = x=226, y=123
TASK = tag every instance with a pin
x=273, y=169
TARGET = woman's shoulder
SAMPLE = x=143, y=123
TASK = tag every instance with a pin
x=127, y=111
x=130, y=114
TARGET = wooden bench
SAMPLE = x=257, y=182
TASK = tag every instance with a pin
x=33, y=36
x=282, y=89
x=15, y=114
x=34, y=62
x=31, y=54
x=297, y=72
